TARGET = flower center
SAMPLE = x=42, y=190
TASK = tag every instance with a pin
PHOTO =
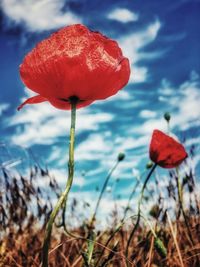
x=72, y=99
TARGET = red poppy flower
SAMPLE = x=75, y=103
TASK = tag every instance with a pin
x=74, y=62
x=165, y=151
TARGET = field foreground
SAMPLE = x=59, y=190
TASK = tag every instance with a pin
x=24, y=249
x=161, y=238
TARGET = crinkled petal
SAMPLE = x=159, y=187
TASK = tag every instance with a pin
x=75, y=62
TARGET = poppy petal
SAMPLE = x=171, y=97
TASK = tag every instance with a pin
x=33, y=100
x=75, y=61
x=65, y=105
x=166, y=151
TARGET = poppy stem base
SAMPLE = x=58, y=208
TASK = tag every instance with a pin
x=63, y=198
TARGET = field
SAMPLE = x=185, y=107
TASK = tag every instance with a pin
x=162, y=238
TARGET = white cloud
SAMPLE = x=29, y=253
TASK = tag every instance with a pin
x=38, y=15
x=193, y=141
x=133, y=43
x=123, y=15
x=165, y=89
x=62, y=176
x=138, y=74
x=183, y=104
x=3, y=107
x=92, y=148
x=42, y=123
x=132, y=46
x=147, y=114
x=149, y=125
x=189, y=111
x=107, y=205
x=122, y=95
x=105, y=149
x=132, y=143
x=183, y=101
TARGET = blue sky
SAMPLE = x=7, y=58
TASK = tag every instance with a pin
x=161, y=40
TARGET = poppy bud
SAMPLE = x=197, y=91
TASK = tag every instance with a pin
x=160, y=247
x=149, y=165
x=121, y=156
x=155, y=211
x=167, y=116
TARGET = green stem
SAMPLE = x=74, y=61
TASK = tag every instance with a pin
x=139, y=210
x=129, y=201
x=102, y=191
x=63, y=197
x=91, y=224
x=179, y=187
x=168, y=128
x=119, y=226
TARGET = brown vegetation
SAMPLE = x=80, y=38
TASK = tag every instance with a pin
x=22, y=229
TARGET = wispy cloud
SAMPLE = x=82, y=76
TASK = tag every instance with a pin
x=147, y=114
x=38, y=15
x=43, y=124
x=133, y=45
x=3, y=107
x=183, y=101
x=93, y=148
x=123, y=15
x=183, y=104
x=61, y=178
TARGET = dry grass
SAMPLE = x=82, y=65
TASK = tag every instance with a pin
x=22, y=229
x=24, y=249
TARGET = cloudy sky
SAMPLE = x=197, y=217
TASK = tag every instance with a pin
x=161, y=40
